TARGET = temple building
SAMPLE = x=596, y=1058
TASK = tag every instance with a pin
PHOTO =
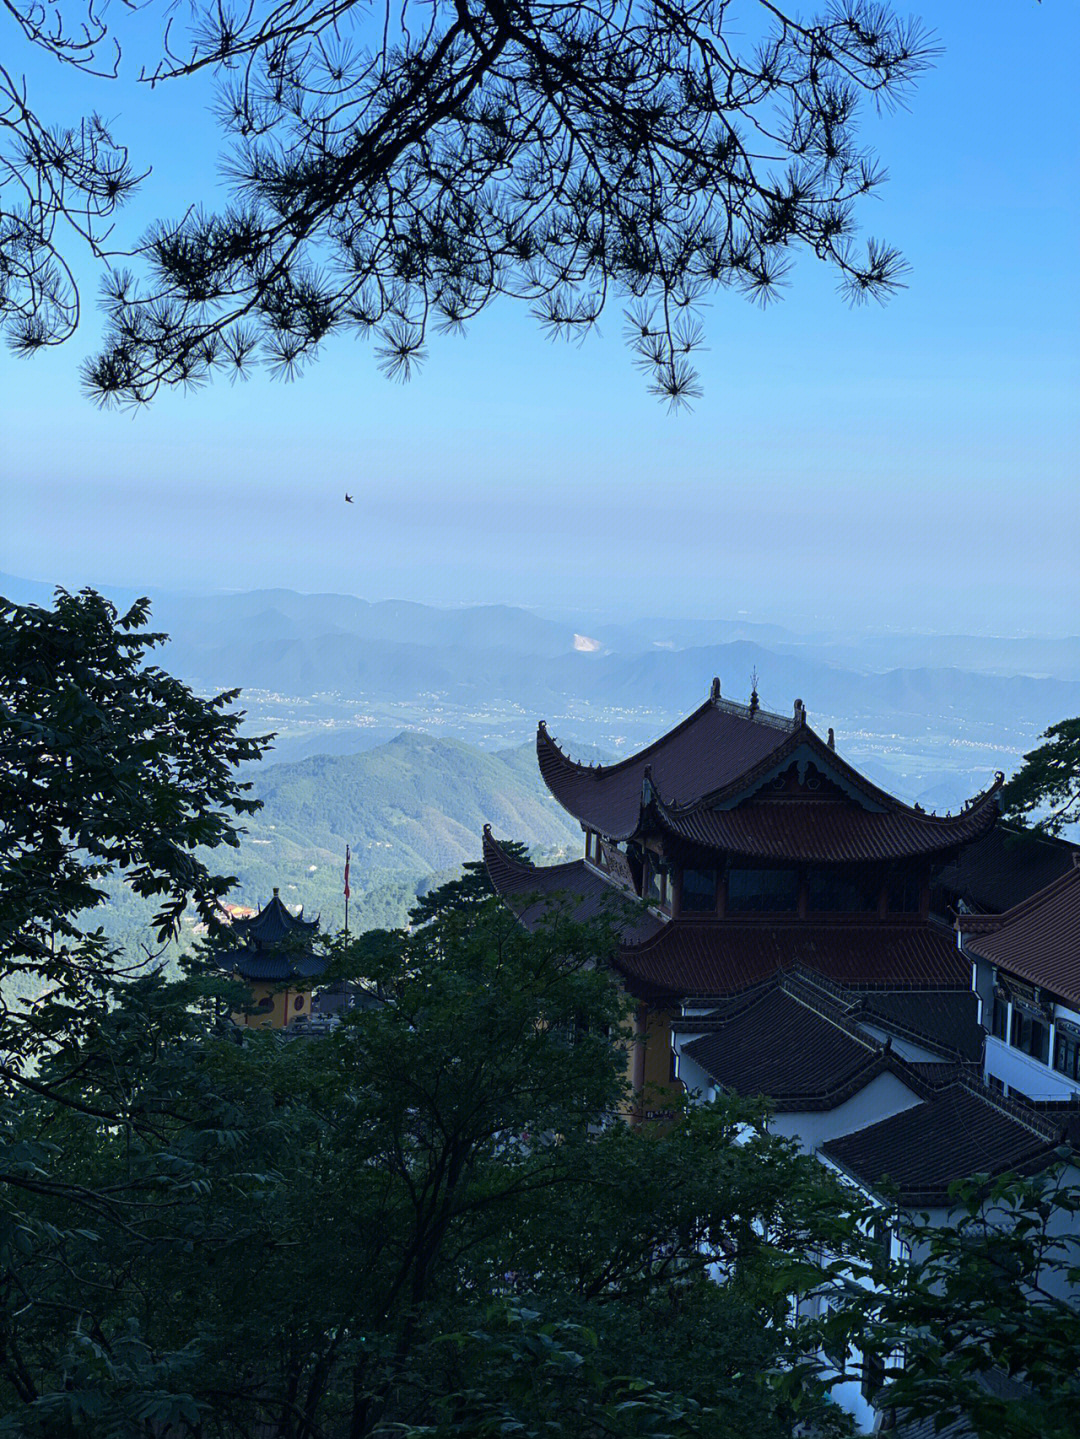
x=761, y=852
x=276, y=960
x=1026, y=974
x=801, y=944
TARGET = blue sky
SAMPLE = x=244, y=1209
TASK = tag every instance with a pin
x=910, y=467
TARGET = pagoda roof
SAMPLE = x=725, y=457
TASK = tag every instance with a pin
x=530, y=891
x=273, y=924
x=1006, y=866
x=270, y=965
x=716, y=957
x=826, y=830
x=964, y=1129
x=706, y=783
x=1038, y=940
x=707, y=751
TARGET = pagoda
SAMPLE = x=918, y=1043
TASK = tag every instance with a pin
x=760, y=851
x=276, y=960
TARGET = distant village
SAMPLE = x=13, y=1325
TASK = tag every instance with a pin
x=903, y=987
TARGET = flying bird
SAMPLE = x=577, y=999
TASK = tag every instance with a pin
x=348, y=498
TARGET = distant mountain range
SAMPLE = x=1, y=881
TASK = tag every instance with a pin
x=231, y=638
x=311, y=645
x=336, y=674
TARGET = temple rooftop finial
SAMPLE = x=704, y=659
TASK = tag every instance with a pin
x=755, y=703
x=800, y=713
x=714, y=689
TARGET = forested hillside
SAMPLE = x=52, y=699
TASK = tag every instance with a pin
x=410, y=810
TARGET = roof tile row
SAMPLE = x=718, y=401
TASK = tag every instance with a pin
x=1038, y=939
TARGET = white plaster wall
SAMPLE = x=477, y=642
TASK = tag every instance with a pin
x=1020, y=1071
x=698, y=1084
x=1061, y=1223
x=884, y=1096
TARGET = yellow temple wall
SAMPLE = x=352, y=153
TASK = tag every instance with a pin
x=282, y=1011
x=649, y=1065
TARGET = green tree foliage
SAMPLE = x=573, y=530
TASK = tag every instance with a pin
x=470, y=889
x=429, y=1221
x=396, y=169
x=975, y=1322
x=108, y=766
x=1045, y=791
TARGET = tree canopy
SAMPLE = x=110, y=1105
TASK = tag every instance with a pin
x=433, y=1220
x=1045, y=790
x=975, y=1322
x=426, y=1222
x=108, y=765
x=396, y=168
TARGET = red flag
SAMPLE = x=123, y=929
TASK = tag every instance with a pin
x=347, y=871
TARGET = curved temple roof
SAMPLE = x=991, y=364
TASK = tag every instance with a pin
x=710, y=957
x=709, y=750
x=962, y=1130
x=273, y=923
x=827, y=831
x=529, y=892
x=260, y=965
x=271, y=947
x=697, y=783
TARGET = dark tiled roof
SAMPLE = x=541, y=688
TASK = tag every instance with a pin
x=721, y=957
x=710, y=750
x=773, y=1042
x=1005, y=867
x=1037, y=940
x=962, y=1130
x=272, y=924
x=942, y=1020
x=994, y=1382
x=827, y=830
x=695, y=775
x=270, y=965
x=530, y=890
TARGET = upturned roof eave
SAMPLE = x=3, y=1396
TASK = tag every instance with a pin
x=554, y=762
x=660, y=811
x=946, y=832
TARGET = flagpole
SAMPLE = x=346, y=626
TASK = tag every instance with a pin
x=347, y=858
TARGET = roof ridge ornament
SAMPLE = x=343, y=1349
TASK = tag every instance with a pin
x=648, y=793
x=800, y=715
x=755, y=703
x=832, y=738
x=714, y=689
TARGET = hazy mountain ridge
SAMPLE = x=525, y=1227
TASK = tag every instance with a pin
x=336, y=674
x=415, y=805
x=208, y=628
